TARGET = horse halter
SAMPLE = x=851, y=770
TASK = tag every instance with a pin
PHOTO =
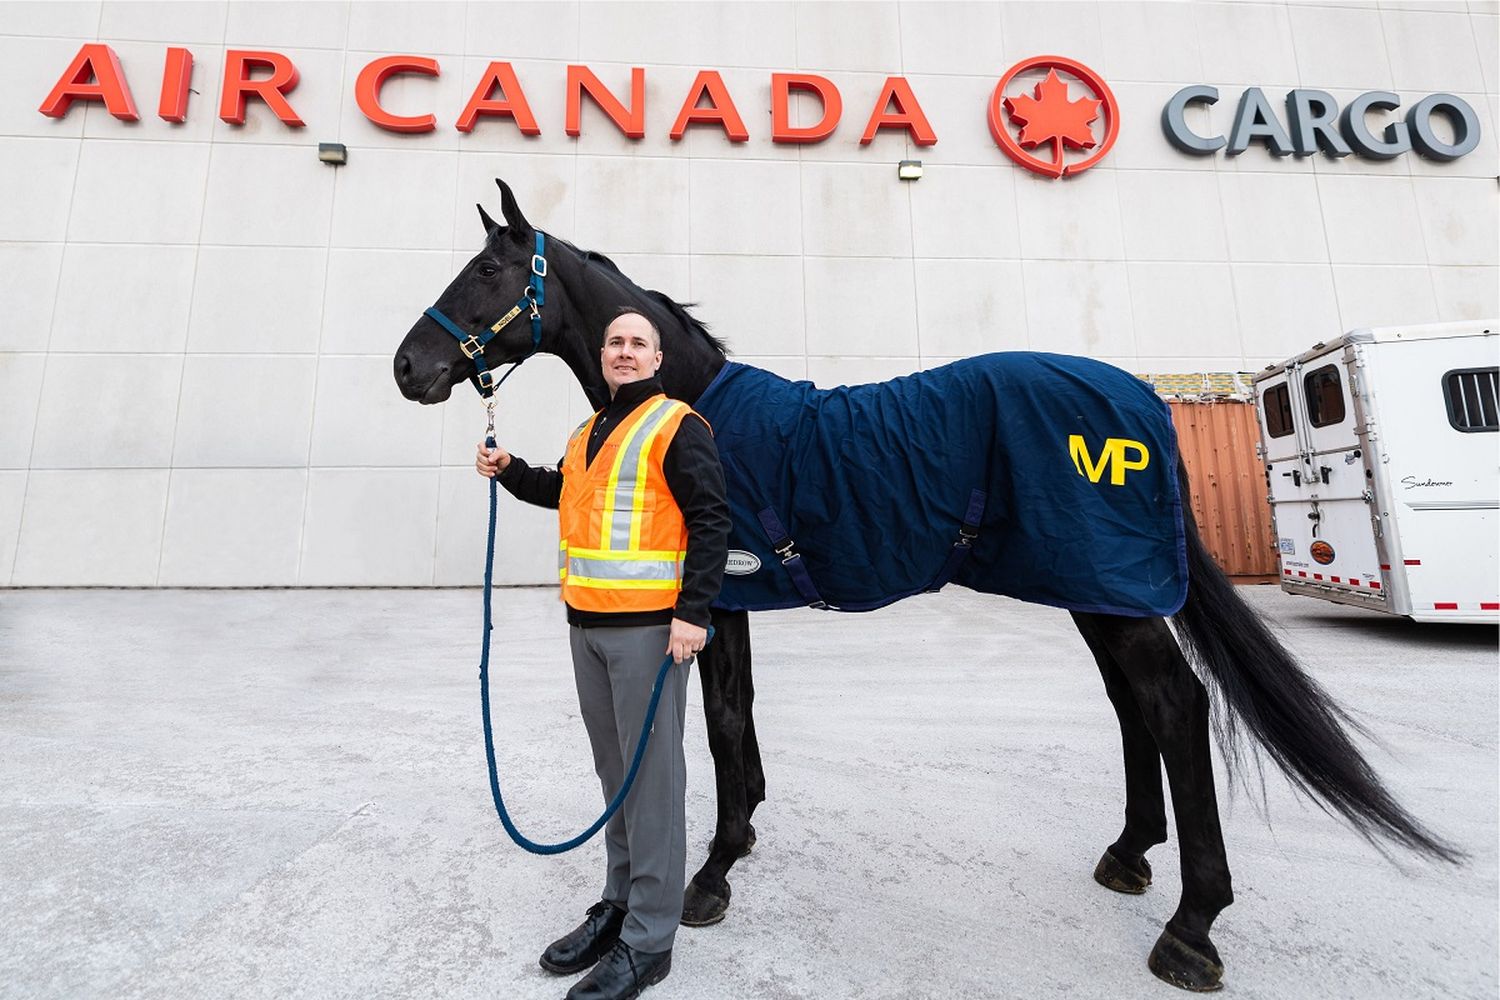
x=473, y=344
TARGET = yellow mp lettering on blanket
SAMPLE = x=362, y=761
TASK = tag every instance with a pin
x=1112, y=456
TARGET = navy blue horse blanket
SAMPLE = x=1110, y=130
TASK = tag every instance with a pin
x=1063, y=468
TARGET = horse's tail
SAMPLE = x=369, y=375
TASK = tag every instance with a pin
x=1287, y=712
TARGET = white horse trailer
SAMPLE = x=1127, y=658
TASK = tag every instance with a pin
x=1382, y=461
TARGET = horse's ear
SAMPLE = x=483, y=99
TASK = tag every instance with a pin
x=519, y=227
x=491, y=227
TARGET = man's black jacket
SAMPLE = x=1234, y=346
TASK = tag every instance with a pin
x=693, y=474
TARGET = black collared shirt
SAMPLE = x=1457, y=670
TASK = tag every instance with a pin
x=691, y=468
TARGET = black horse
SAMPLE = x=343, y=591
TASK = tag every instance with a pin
x=1162, y=706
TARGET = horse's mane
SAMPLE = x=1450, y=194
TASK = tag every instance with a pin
x=678, y=310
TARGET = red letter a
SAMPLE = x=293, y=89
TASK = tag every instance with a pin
x=511, y=103
x=93, y=75
x=897, y=90
x=720, y=111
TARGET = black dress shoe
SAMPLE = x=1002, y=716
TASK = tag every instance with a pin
x=582, y=946
x=622, y=974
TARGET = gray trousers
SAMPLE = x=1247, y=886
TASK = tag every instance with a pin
x=646, y=840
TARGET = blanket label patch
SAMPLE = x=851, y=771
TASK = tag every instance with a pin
x=741, y=563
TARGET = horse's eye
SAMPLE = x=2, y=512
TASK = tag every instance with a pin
x=488, y=270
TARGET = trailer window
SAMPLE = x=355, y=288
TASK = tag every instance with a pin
x=1276, y=404
x=1325, y=399
x=1470, y=394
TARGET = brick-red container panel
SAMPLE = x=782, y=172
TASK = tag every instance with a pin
x=1217, y=440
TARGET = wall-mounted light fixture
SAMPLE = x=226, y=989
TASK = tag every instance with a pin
x=909, y=170
x=333, y=153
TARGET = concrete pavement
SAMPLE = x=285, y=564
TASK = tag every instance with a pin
x=282, y=794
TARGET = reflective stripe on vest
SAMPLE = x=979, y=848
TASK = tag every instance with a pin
x=623, y=538
x=628, y=477
x=641, y=570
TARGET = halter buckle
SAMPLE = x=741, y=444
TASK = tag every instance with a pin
x=477, y=348
x=539, y=265
x=487, y=379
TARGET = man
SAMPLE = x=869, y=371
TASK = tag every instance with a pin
x=645, y=528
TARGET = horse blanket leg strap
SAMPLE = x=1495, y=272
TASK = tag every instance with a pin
x=782, y=545
x=965, y=544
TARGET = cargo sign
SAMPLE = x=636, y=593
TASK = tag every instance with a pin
x=1315, y=123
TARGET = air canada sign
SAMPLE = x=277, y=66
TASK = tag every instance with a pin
x=270, y=77
x=1065, y=123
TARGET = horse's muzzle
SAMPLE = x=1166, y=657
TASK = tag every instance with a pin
x=422, y=385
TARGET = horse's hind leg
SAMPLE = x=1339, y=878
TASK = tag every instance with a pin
x=1124, y=867
x=1174, y=707
x=723, y=669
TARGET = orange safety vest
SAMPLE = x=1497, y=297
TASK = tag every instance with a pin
x=623, y=539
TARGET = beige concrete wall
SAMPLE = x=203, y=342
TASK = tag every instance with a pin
x=198, y=319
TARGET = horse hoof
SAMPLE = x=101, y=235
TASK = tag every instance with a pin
x=1179, y=963
x=700, y=908
x=1112, y=873
x=749, y=844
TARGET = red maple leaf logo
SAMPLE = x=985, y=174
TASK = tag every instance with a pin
x=1051, y=117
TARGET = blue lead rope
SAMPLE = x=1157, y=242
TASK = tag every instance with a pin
x=489, y=740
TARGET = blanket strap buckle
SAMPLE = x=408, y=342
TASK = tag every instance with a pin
x=791, y=559
x=967, y=532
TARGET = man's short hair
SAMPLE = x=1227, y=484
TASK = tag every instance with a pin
x=633, y=311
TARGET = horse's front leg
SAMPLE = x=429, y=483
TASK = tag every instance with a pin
x=755, y=775
x=724, y=670
x=1174, y=706
x=1123, y=866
